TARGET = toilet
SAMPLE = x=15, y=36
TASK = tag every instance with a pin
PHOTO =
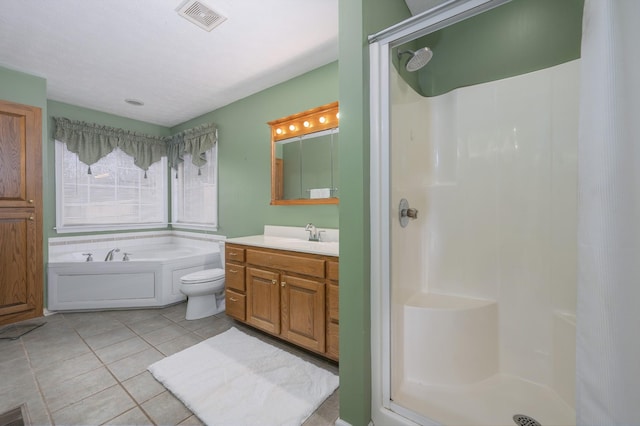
x=205, y=293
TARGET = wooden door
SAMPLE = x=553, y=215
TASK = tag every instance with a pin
x=21, y=274
x=303, y=312
x=263, y=299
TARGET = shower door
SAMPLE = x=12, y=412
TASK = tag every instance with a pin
x=474, y=204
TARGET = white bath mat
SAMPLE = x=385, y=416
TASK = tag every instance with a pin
x=236, y=379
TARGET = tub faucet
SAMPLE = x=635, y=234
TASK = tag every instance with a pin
x=109, y=256
x=314, y=234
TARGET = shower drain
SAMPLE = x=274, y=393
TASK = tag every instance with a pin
x=522, y=420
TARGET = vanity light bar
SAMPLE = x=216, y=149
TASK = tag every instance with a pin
x=311, y=121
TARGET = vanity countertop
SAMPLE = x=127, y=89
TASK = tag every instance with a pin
x=277, y=238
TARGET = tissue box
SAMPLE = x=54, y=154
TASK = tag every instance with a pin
x=320, y=193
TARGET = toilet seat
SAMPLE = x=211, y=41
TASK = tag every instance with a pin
x=204, y=276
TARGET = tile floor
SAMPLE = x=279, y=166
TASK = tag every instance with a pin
x=89, y=368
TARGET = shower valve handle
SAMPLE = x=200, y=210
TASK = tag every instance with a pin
x=406, y=213
x=412, y=213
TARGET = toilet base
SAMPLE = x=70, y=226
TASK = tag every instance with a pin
x=203, y=306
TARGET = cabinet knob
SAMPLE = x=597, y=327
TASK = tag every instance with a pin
x=273, y=281
x=32, y=218
x=283, y=283
x=232, y=299
x=30, y=201
x=233, y=254
x=233, y=271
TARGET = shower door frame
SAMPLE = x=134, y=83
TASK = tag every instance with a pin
x=384, y=409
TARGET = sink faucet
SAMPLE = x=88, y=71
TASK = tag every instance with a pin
x=314, y=234
x=109, y=256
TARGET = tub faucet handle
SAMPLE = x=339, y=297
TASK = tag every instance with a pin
x=125, y=258
x=89, y=258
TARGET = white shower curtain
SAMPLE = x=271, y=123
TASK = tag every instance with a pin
x=608, y=310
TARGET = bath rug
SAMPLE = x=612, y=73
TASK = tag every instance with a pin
x=236, y=379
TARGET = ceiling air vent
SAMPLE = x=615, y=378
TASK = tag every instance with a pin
x=200, y=15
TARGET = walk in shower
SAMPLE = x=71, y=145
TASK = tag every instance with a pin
x=474, y=214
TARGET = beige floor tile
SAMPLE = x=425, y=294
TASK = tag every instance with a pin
x=143, y=387
x=166, y=409
x=109, y=337
x=95, y=409
x=134, y=364
x=123, y=349
x=133, y=417
x=62, y=394
x=164, y=334
x=179, y=343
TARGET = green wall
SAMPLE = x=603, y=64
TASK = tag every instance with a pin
x=245, y=154
x=358, y=19
x=516, y=38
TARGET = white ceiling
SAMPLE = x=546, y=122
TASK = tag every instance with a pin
x=96, y=53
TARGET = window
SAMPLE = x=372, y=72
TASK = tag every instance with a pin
x=116, y=195
x=194, y=193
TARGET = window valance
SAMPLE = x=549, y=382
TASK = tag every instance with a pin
x=194, y=141
x=91, y=142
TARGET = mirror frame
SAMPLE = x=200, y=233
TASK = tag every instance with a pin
x=314, y=120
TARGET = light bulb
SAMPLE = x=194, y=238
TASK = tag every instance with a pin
x=322, y=120
x=292, y=127
x=306, y=124
x=338, y=115
x=279, y=131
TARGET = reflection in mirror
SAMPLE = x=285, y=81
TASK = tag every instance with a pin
x=310, y=166
x=305, y=157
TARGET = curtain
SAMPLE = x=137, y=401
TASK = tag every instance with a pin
x=194, y=141
x=608, y=307
x=91, y=142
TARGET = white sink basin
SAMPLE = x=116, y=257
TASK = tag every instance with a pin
x=329, y=248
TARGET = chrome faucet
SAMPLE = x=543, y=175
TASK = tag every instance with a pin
x=109, y=256
x=314, y=234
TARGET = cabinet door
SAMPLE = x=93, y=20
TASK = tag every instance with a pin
x=263, y=299
x=20, y=155
x=303, y=312
x=20, y=276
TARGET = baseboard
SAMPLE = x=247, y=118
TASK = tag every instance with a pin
x=341, y=422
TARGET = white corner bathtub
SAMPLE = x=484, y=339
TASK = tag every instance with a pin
x=150, y=278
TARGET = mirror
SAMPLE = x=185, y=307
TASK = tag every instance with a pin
x=304, y=157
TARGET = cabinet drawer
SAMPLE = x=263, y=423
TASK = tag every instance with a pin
x=332, y=302
x=234, y=254
x=234, y=276
x=302, y=265
x=235, y=305
x=333, y=270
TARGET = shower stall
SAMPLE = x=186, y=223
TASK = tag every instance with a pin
x=474, y=217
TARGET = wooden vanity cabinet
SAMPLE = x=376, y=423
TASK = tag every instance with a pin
x=288, y=294
x=235, y=297
x=333, y=317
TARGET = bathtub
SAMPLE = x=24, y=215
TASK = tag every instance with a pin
x=151, y=278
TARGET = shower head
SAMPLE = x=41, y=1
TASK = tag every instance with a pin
x=418, y=59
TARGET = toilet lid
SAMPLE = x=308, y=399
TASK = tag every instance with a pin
x=203, y=276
